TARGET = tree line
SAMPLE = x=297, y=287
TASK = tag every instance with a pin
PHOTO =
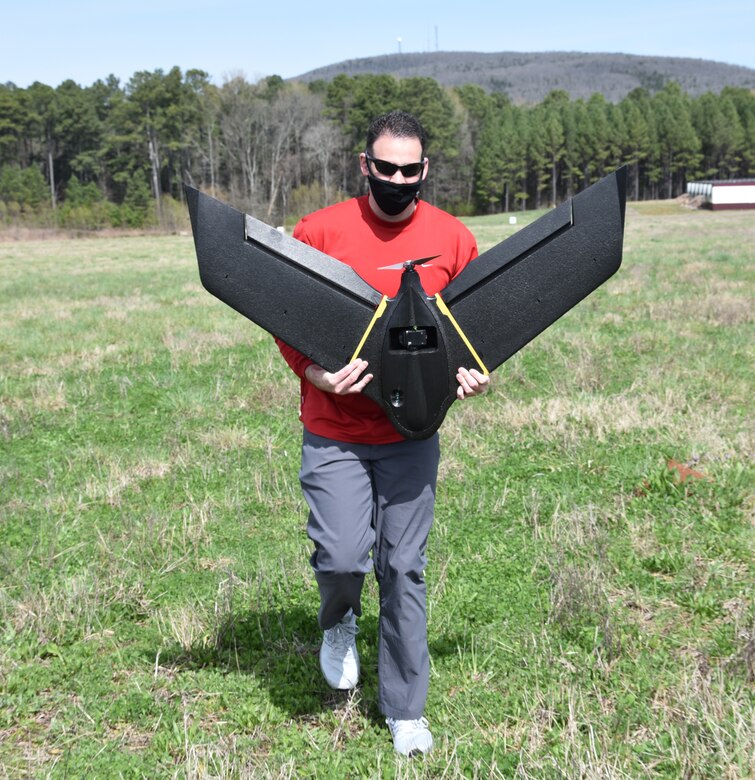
x=117, y=155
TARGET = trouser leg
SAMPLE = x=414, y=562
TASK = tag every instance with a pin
x=337, y=485
x=377, y=498
x=404, y=476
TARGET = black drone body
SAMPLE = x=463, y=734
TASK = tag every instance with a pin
x=414, y=343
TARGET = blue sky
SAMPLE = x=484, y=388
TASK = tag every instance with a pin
x=88, y=39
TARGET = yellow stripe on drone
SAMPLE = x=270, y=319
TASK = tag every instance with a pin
x=445, y=310
x=375, y=317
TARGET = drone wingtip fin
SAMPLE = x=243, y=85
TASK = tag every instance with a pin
x=192, y=199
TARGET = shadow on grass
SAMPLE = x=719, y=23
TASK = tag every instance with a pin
x=280, y=649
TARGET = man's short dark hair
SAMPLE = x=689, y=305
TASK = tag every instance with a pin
x=399, y=124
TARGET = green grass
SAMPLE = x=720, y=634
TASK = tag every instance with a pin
x=590, y=615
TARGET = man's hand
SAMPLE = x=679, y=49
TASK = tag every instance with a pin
x=342, y=382
x=471, y=383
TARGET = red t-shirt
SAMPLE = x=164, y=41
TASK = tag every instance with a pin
x=351, y=232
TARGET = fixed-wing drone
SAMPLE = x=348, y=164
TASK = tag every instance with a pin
x=414, y=343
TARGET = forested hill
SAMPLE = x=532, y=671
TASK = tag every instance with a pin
x=529, y=77
x=117, y=155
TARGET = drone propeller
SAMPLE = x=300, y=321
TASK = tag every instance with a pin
x=406, y=264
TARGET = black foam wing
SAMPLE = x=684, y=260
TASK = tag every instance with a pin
x=304, y=297
x=414, y=343
x=515, y=290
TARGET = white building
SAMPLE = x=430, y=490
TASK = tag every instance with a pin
x=733, y=194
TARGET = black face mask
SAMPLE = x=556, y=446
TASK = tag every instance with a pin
x=393, y=198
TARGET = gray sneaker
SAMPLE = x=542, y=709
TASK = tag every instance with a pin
x=339, y=659
x=410, y=737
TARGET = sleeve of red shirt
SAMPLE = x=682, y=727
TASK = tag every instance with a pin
x=467, y=252
x=296, y=361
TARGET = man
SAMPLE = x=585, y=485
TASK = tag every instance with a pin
x=369, y=490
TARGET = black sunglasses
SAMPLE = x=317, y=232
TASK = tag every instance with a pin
x=385, y=168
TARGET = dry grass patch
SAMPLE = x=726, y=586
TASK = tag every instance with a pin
x=112, y=477
x=76, y=605
x=118, y=307
x=88, y=363
x=193, y=347
x=48, y=395
x=190, y=625
x=205, y=623
x=161, y=542
x=224, y=439
x=720, y=309
x=578, y=528
x=276, y=392
x=194, y=294
x=33, y=748
x=130, y=737
x=232, y=757
x=585, y=752
x=566, y=419
x=711, y=727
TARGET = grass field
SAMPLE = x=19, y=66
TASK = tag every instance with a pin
x=591, y=614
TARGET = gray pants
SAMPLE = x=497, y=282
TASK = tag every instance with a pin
x=379, y=499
